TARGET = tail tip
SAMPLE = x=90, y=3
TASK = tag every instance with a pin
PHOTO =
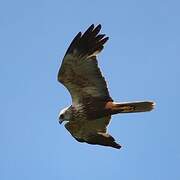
x=152, y=105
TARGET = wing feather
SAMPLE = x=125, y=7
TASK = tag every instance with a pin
x=79, y=71
x=92, y=132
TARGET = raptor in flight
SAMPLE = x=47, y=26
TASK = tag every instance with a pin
x=92, y=106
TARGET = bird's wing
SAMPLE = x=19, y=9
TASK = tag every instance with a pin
x=79, y=71
x=103, y=139
x=92, y=132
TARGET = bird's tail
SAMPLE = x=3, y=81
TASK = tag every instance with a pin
x=130, y=107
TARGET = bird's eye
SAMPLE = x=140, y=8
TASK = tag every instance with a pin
x=62, y=116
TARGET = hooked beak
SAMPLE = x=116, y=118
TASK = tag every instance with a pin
x=60, y=121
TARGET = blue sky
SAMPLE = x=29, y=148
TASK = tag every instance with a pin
x=141, y=61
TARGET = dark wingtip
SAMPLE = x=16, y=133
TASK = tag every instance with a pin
x=100, y=37
x=117, y=146
x=78, y=35
x=89, y=42
x=98, y=26
x=103, y=41
x=74, y=42
x=91, y=27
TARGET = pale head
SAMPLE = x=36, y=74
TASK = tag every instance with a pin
x=65, y=115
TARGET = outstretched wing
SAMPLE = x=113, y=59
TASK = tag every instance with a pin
x=79, y=71
x=92, y=132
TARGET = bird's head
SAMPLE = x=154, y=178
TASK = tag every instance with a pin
x=64, y=115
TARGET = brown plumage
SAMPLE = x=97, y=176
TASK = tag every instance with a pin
x=92, y=105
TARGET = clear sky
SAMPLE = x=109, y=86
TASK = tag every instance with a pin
x=141, y=61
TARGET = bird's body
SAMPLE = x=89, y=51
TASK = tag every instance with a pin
x=92, y=105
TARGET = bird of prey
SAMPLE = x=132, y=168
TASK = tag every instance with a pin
x=92, y=106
